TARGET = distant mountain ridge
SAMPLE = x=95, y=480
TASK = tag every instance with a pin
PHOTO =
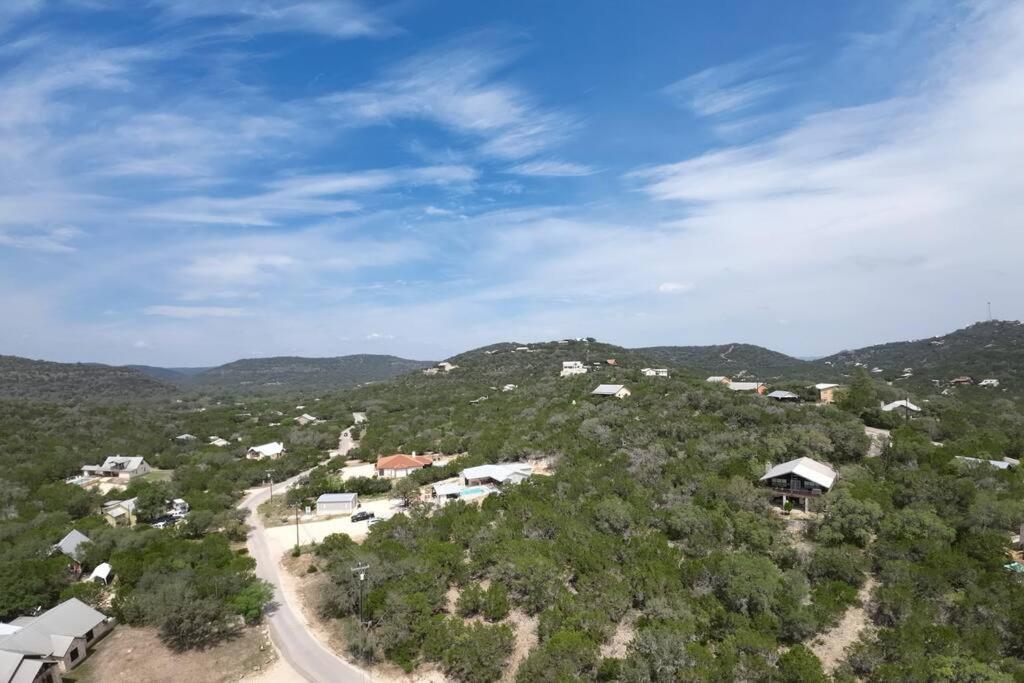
x=293, y=372
x=993, y=349
x=24, y=378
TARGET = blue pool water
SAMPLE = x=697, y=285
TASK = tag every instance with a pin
x=472, y=491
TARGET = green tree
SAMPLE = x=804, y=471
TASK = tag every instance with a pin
x=800, y=665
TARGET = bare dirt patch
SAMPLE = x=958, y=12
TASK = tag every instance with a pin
x=618, y=645
x=525, y=628
x=830, y=646
x=136, y=654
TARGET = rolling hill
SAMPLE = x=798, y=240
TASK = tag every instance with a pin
x=23, y=378
x=733, y=360
x=295, y=373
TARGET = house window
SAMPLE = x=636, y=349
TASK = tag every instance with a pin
x=74, y=654
x=89, y=635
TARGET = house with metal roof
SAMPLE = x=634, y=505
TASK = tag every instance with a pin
x=654, y=372
x=780, y=395
x=748, y=386
x=120, y=512
x=38, y=648
x=979, y=462
x=826, y=392
x=616, y=390
x=903, y=404
x=718, y=379
x=272, y=450
x=801, y=479
x=337, y=503
x=504, y=473
x=119, y=466
x=71, y=544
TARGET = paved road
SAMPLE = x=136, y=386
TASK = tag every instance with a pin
x=297, y=645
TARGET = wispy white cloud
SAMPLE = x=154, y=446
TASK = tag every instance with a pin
x=456, y=87
x=552, y=168
x=675, y=287
x=190, y=312
x=735, y=86
x=52, y=240
x=334, y=18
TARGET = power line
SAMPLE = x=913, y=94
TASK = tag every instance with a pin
x=360, y=571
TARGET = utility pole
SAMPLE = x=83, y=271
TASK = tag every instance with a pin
x=297, y=525
x=360, y=572
x=990, y=311
x=270, y=476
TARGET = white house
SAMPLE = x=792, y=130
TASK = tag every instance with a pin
x=118, y=466
x=505, y=473
x=445, y=366
x=509, y=387
x=718, y=379
x=219, y=442
x=306, y=419
x=37, y=649
x=120, y=512
x=826, y=392
x=272, y=450
x=336, y=503
x=573, y=367
x=184, y=438
x=977, y=462
x=991, y=382
x=902, y=403
x=616, y=390
x=655, y=372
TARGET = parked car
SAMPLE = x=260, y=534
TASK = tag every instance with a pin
x=371, y=522
x=362, y=515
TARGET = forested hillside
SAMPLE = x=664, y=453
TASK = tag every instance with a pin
x=37, y=379
x=284, y=373
x=653, y=524
x=731, y=360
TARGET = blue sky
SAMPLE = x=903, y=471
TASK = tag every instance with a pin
x=313, y=177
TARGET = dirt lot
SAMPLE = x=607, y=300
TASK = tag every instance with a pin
x=136, y=654
x=314, y=528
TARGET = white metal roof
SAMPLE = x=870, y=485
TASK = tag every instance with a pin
x=716, y=378
x=607, y=389
x=337, y=498
x=515, y=471
x=809, y=469
x=998, y=464
x=272, y=448
x=744, y=386
x=825, y=385
x=778, y=393
x=51, y=632
x=449, y=489
x=902, y=403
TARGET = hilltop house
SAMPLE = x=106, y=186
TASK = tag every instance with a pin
x=445, y=366
x=826, y=392
x=902, y=403
x=801, y=479
x=337, y=503
x=612, y=361
x=38, y=649
x=573, y=367
x=616, y=390
x=991, y=382
x=272, y=450
x=654, y=372
x=748, y=386
x=120, y=512
x=505, y=473
x=718, y=379
x=118, y=466
x=401, y=465
x=780, y=395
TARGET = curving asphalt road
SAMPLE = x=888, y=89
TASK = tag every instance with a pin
x=300, y=648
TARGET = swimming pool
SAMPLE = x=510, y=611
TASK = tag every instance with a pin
x=473, y=491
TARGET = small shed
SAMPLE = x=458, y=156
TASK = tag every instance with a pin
x=101, y=574
x=337, y=503
x=780, y=395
